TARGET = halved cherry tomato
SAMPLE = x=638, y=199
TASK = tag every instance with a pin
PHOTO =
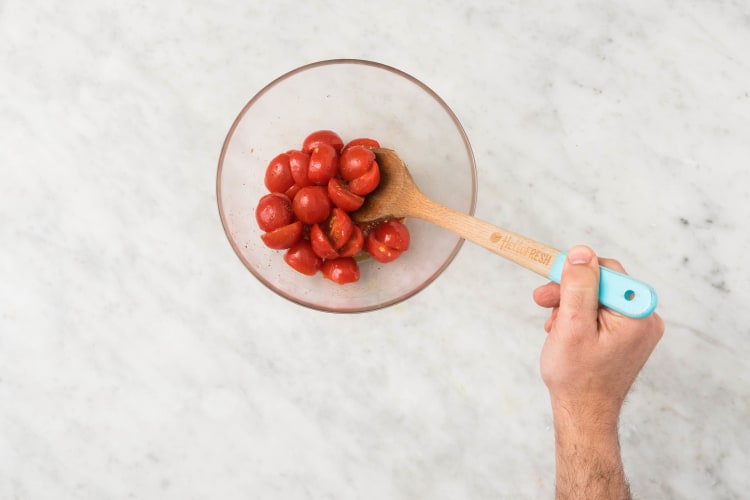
x=367, y=182
x=302, y=258
x=273, y=211
x=380, y=252
x=321, y=245
x=334, y=233
x=362, y=141
x=283, y=237
x=388, y=240
x=311, y=204
x=393, y=233
x=355, y=161
x=324, y=164
x=299, y=162
x=342, y=197
x=292, y=191
x=342, y=270
x=322, y=137
x=355, y=243
x=278, y=174
x=338, y=227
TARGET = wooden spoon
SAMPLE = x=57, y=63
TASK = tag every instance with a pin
x=398, y=196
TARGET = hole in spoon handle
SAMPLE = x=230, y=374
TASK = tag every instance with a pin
x=617, y=291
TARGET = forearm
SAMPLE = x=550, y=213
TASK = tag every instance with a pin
x=588, y=460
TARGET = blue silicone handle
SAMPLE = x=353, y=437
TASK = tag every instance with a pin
x=617, y=291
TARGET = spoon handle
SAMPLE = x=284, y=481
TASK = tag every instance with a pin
x=619, y=292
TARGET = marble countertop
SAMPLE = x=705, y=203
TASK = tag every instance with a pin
x=139, y=358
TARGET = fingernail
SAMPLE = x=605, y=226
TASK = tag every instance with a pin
x=580, y=255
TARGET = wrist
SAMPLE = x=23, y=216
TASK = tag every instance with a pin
x=587, y=424
x=591, y=410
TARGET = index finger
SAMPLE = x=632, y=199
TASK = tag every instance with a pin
x=612, y=264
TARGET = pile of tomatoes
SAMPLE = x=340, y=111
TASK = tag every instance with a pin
x=306, y=211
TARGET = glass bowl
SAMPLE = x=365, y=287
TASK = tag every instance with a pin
x=354, y=98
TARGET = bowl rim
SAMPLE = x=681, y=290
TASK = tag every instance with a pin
x=343, y=61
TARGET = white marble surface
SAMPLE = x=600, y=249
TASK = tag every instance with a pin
x=139, y=359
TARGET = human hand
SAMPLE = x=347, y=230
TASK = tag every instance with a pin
x=592, y=355
x=589, y=361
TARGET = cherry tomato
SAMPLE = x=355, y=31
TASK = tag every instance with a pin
x=366, y=183
x=323, y=164
x=278, y=174
x=342, y=270
x=292, y=191
x=299, y=162
x=355, y=161
x=342, y=197
x=311, y=204
x=321, y=245
x=380, y=252
x=362, y=141
x=273, y=211
x=283, y=237
x=334, y=233
x=302, y=258
x=393, y=233
x=339, y=227
x=355, y=243
x=388, y=240
x=322, y=137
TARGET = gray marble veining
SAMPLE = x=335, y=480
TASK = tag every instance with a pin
x=139, y=359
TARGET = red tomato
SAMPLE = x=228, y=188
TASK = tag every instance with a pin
x=283, y=237
x=355, y=161
x=393, y=233
x=354, y=245
x=278, y=174
x=321, y=245
x=273, y=211
x=339, y=227
x=334, y=233
x=342, y=197
x=311, y=204
x=379, y=251
x=323, y=164
x=388, y=241
x=362, y=141
x=302, y=258
x=322, y=137
x=292, y=191
x=342, y=270
x=299, y=162
x=366, y=183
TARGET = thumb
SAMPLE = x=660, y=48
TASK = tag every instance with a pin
x=579, y=292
